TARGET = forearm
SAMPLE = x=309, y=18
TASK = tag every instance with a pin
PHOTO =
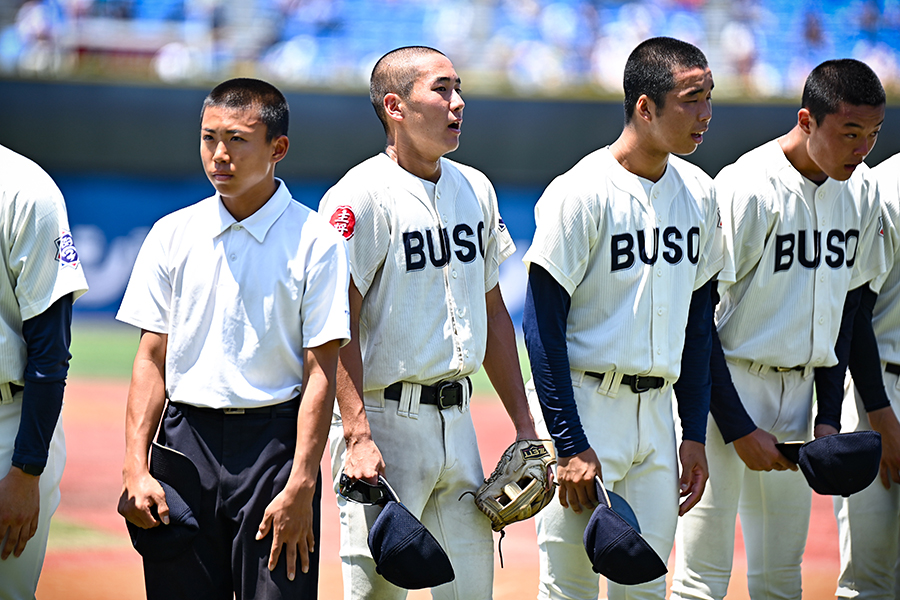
x=501, y=363
x=829, y=381
x=725, y=404
x=314, y=416
x=865, y=361
x=146, y=401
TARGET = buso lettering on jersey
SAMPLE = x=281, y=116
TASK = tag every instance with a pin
x=677, y=245
x=840, y=249
x=421, y=247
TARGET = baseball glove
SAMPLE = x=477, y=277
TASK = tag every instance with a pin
x=520, y=486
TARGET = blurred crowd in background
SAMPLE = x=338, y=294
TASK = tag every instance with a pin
x=758, y=49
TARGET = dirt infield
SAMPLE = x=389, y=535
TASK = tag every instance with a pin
x=90, y=558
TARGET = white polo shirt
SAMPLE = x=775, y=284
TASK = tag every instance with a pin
x=794, y=251
x=239, y=300
x=423, y=256
x=630, y=253
x=40, y=262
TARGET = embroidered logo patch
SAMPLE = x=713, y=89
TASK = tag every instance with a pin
x=534, y=451
x=344, y=221
x=502, y=225
x=66, y=253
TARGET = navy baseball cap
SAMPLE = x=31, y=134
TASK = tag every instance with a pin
x=405, y=552
x=614, y=544
x=841, y=464
x=180, y=480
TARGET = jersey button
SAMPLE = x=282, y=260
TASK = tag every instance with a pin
x=233, y=257
x=236, y=227
x=659, y=272
x=454, y=274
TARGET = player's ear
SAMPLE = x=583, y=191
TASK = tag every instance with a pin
x=280, y=147
x=393, y=106
x=644, y=108
x=804, y=120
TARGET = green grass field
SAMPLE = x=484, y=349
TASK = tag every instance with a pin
x=105, y=349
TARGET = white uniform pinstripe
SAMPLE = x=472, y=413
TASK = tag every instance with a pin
x=869, y=521
x=423, y=256
x=794, y=250
x=40, y=267
x=630, y=253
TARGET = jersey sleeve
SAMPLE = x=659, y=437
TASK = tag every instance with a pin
x=712, y=257
x=872, y=256
x=566, y=231
x=147, y=302
x=43, y=259
x=500, y=245
x=325, y=310
x=744, y=225
x=356, y=213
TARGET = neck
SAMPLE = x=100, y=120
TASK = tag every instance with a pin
x=794, y=146
x=241, y=207
x=413, y=161
x=639, y=157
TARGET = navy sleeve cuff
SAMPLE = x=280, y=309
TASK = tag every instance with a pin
x=693, y=386
x=865, y=362
x=47, y=337
x=544, y=323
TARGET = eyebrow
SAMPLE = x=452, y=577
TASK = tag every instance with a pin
x=858, y=126
x=698, y=90
x=457, y=81
x=211, y=130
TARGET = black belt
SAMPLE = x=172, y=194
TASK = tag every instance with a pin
x=637, y=383
x=443, y=395
x=891, y=368
x=283, y=408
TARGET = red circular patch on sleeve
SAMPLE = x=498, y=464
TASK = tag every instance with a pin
x=344, y=221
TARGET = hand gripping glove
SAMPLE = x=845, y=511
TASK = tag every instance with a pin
x=520, y=485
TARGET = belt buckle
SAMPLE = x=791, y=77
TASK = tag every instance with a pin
x=233, y=411
x=783, y=369
x=636, y=385
x=449, y=390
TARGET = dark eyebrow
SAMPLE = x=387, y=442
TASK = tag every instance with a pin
x=698, y=90
x=457, y=81
x=237, y=131
x=858, y=126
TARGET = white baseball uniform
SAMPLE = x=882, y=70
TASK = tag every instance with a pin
x=423, y=256
x=869, y=521
x=630, y=253
x=793, y=251
x=41, y=266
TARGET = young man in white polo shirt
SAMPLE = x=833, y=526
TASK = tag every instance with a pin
x=242, y=303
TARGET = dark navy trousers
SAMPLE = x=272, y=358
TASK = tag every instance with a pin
x=244, y=461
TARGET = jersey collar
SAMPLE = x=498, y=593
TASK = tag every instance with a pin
x=666, y=188
x=259, y=223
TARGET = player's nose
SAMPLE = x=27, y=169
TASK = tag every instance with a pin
x=456, y=102
x=221, y=153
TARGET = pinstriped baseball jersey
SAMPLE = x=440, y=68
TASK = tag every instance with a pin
x=794, y=250
x=423, y=263
x=886, y=316
x=37, y=251
x=630, y=254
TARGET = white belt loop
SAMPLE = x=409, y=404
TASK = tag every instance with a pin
x=808, y=372
x=758, y=369
x=610, y=384
x=410, y=393
x=466, y=385
x=577, y=378
x=6, y=396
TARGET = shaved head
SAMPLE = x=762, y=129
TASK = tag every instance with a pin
x=396, y=73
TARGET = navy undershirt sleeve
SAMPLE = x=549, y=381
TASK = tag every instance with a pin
x=547, y=307
x=830, y=380
x=47, y=337
x=693, y=386
x=865, y=362
x=725, y=404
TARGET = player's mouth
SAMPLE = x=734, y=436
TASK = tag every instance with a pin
x=220, y=176
x=455, y=126
x=698, y=136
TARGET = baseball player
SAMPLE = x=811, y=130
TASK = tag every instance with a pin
x=869, y=521
x=242, y=304
x=43, y=277
x=426, y=241
x=618, y=308
x=801, y=224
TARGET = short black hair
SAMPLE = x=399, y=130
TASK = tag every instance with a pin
x=651, y=68
x=839, y=81
x=243, y=92
x=395, y=73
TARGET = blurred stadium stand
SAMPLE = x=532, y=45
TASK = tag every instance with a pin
x=758, y=48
